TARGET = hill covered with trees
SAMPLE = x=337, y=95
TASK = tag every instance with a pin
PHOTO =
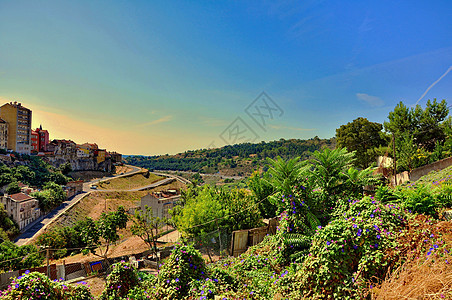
x=238, y=159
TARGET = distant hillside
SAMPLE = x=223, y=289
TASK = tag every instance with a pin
x=239, y=159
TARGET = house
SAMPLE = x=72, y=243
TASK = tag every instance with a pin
x=63, y=148
x=160, y=202
x=73, y=188
x=23, y=208
x=116, y=157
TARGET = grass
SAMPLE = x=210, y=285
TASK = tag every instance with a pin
x=129, y=182
x=434, y=178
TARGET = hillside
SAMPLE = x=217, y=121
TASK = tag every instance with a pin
x=232, y=160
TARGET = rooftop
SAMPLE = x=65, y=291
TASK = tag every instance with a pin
x=20, y=197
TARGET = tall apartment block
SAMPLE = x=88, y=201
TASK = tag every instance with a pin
x=3, y=134
x=19, y=129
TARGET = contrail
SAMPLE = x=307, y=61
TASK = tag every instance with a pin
x=433, y=84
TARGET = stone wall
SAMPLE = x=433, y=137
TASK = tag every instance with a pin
x=421, y=171
x=81, y=164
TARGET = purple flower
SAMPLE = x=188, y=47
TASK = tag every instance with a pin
x=327, y=242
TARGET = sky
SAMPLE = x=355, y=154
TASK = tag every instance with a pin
x=157, y=77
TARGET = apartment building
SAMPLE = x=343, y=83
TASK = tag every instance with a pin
x=34, y=141
x=3, y=134
x=23, y=208
x=43, y=139
x=18, y=118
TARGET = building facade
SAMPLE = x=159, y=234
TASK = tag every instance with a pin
x=18, y=118
x=34, y=141
x=23, y=208
x=116, y=157
x=3, y=134
x=43, y=139
x=160, y=203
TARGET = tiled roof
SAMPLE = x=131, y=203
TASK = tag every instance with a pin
x=20, y=197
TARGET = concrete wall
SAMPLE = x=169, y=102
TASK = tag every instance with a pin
x=422, y=171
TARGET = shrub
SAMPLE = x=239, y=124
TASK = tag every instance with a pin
x=121, y=280
x=350, y=251
x=38, y=286
x=183, y=265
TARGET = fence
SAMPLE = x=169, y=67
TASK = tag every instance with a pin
x=242, y=239
x=72, y=271
x=214, y=244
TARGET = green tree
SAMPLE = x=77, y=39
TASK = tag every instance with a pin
x=24, y=174
x=13, y=188
x=51, y=196
x=400, y=120
x=13, y=257
x=233, y=209
x=361, y=136
x=428, y=130
x=262, y=188
x=425, y=125
x=65, y=168
x=100, y=234
x=146, y=226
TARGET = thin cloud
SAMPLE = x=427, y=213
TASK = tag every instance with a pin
x=371, y=100
x=433, y=84
x=279, y=127
x=158, y=121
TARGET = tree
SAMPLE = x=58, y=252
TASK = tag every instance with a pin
x=13, y=257
x=361, y=136
x=24, y=174
x=13, y=188
x=428, y=130
x=65, y=168
x=51, y=196
x=400, y=120
x=102, y=233
x=425, y=125
x=206, y=204
x=144, y=225
x=262, y=189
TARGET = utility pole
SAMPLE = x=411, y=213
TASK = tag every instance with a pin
x=47, y=258
x=219, y=235
x=395, y=164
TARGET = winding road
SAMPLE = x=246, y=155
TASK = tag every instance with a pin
x=41, y=225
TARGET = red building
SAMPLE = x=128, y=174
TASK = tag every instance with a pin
x=34, y=141
x=43, y=139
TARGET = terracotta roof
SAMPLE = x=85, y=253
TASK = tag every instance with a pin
x=20, y=197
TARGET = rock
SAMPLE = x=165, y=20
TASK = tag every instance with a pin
x=448, y=215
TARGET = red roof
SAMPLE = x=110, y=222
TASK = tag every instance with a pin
x=20, y=197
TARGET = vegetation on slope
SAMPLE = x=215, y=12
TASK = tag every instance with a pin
x=241, y=158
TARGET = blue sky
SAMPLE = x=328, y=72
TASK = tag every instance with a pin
x=155, y=77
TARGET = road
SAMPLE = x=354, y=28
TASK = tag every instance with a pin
x=143, y=188
x=34, y=229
